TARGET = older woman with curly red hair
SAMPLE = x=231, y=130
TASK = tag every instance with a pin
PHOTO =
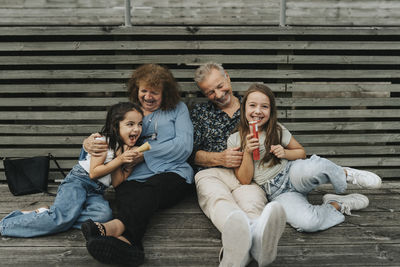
x=159, y=177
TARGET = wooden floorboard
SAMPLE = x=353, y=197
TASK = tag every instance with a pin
x=183, y=236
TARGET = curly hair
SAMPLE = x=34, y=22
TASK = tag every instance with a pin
x=155, y=76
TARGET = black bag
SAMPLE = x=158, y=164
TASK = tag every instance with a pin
x=28, y=175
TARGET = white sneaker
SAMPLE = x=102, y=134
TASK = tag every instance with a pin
x=267, y=231
x=236, y=240
x=364, y=179
x=347, y=202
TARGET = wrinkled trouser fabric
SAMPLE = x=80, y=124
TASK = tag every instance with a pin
x=291, y=186
x=220, y=193
x=78, y=198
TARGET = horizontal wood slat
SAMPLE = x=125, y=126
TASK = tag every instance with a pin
x=197, y=59
x=281, y=102
x=108, y=87
x=195, y=45
x=239, y=30
x=188, y=74
x=185, y=59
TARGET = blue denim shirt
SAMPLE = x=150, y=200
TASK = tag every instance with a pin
x=173, y=146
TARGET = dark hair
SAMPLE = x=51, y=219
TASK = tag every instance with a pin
x=155, y=76
x=272, y=129
x=115, y=114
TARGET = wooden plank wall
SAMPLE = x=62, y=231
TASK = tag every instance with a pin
x=343, y=12
x=154, y=12
x=337, y=89
x=201, y=12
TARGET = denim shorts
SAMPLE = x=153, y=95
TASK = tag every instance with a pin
x=279, y=184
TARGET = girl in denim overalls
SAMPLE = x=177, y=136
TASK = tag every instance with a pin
x=284, y=173
x=80, y=195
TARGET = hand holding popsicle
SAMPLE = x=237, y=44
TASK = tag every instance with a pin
x=254, y=130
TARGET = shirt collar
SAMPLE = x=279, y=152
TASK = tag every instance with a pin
x=215, y=109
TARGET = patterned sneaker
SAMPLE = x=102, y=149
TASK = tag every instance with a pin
x=266, y=231
x=236, y=240
x=364, y=179
x=92, y=229
x=347, y=202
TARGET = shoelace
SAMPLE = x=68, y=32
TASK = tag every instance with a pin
x=347, y=210
x=354, y=176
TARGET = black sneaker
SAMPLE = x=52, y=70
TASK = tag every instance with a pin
x=91, y=229
x=111, y=250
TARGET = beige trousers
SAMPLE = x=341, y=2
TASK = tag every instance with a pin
x=219, y=193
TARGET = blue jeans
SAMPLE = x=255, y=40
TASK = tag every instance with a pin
x=78, y=198
x=291, y=186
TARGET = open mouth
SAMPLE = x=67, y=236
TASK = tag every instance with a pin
x=133, y=137
x=257, y=118
x=149, y=102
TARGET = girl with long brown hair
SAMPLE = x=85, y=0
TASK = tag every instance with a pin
x=284, y=172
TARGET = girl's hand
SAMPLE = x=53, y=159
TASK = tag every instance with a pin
x=251, y=143
x=278, y=151
x=130, y=156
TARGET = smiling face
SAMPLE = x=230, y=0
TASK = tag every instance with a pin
x=217, y=88
x=150, y=98
x=130, y=127
x=258, y=108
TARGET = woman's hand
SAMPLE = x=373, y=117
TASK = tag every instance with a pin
x=95, y=147
x=278, y=151
x=251, y=143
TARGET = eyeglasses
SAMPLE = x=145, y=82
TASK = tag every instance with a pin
x=152, y=136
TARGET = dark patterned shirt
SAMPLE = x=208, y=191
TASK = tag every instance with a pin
x=212, y=127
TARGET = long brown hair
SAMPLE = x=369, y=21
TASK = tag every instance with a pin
x=272, y=129
x=155, y=76
x=116, y=113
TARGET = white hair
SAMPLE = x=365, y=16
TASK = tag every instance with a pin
x=205, y=69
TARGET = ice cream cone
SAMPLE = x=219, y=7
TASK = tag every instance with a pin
x=146, y=146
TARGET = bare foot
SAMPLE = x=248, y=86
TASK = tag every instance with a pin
x=39, y=210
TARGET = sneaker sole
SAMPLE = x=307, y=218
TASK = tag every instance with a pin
x=111, y=250
x=339, y=198
x=236, y=240
x=87, y=230
x=274, y=218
